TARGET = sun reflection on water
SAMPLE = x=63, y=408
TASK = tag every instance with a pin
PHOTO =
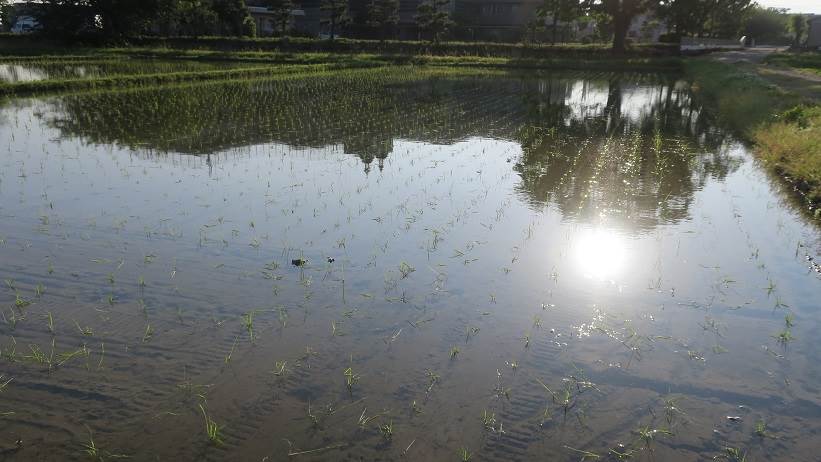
x=601, y=254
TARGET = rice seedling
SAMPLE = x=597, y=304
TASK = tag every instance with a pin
x=212, y=430
x=191, y=390
x=584, y=455
x=433, y=379
x=454, y=351
x=784, y=337
x=761, y=429
x=405, y=451
x=148, y=333
x=248, y=324
x=86, y=331
x=405, y=269
x=351, y=378
x=230, y=354
x=415, y=408
x=295, y=452
x=13, y=318
x=732, y=455
x=280, y=368
x=91, y=448
x=20, y=302
x=4, y=383
x=647, y=435
x=671, y=410
x=387, y=430
x=335, y=329
x=93, y=451
x=488, y=420
x=465, y=455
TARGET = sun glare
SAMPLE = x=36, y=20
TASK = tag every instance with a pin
x=600, y=254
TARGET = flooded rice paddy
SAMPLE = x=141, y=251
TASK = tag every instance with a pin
x=404, y=264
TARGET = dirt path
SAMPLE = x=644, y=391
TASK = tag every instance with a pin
x=746, y=55
x=805, y=84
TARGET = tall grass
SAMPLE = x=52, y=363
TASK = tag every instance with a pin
x=785, y=130
x=792, y=146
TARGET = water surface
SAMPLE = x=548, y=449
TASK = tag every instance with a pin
x=517, y=266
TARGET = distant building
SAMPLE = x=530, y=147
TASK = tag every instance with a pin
x=814, y=32
x=305, y=18
x=22, y=17
x=495, y=20
x=24, y=25
x=266, y=23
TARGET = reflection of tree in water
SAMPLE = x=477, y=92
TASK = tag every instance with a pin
x=630, y=146
x=362, y=112
x=638, y=165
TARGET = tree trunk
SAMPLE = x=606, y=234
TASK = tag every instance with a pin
x=620, y=25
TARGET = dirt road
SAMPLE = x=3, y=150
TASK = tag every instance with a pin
x=805, y=84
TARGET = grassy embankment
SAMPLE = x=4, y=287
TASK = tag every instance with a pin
x=806, y=62
x=784, y=127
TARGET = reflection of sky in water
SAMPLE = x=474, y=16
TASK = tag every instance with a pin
x=542, y=244
x=588, y=99
x=30, y=73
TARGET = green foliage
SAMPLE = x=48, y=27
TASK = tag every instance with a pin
x=111, y=18
x=5, y=15
x=127, y=18
x=807, y=61
x=558, y=11
x=336, y=12
x=798, y=25
x=231, y=17
x=622, y=13
x=705, y=18
x=433, y=18
x=281, y=10
x=383, y=15
x=787, y=135
x=767, y=25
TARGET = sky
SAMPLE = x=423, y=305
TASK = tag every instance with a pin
x=795, y=6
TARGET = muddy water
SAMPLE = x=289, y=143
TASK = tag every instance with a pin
x=400, y=265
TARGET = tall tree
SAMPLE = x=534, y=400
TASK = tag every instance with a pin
x=767, y=25
x=192, y=17
x=5, y=16
x=109, y=17
x=281, y=10
x=798, y=24
x=684, y=17
x=336, y=14
x=233, y=17
x=433, y=17
x=383, y=15
x=623, y=12
x=558, y=11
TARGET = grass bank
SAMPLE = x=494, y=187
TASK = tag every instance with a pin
x=37, y=45
x=148, y=80
x=809, y=62
x=256, y=64
x=784, y=128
